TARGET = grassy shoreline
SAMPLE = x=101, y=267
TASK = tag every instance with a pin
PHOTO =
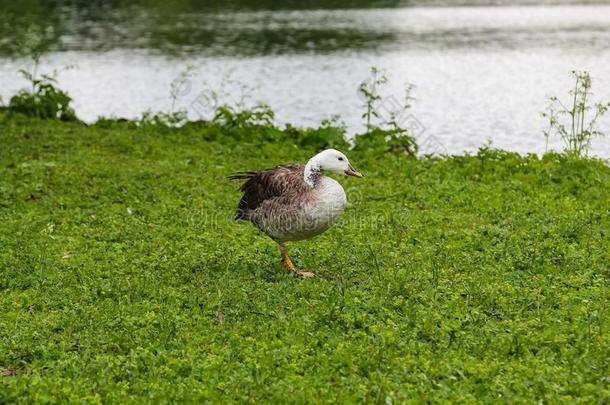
x=454, y=279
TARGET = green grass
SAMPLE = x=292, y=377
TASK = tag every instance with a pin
x=463, y=279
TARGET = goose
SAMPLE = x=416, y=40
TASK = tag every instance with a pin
x=292, y=202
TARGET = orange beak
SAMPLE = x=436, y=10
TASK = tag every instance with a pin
x=352, y=172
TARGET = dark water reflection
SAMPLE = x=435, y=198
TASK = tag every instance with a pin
x=241, y=27
x=227, y=27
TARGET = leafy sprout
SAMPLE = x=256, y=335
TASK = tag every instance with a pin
x=576, y=122
x=44, y=100
x=385, y=117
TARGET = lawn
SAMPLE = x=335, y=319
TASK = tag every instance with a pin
x=124, y=279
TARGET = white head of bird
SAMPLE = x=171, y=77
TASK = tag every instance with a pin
x=330, y=160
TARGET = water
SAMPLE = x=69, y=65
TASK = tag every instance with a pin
x=480, y=73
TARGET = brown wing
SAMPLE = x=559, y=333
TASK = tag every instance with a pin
x=266, y=184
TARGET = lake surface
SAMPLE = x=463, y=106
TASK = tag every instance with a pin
x=480, y=73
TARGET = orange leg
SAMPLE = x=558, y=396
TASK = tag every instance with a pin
x=288, y=263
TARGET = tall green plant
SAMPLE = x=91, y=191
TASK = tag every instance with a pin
x=576, y=122
x=44, y=100
x=370, y=91
x=385, y=117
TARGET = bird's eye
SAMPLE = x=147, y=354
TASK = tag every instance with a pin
x=340, y=158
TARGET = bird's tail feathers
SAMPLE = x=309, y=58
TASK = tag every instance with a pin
x=242, y=214
x=241, y=176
